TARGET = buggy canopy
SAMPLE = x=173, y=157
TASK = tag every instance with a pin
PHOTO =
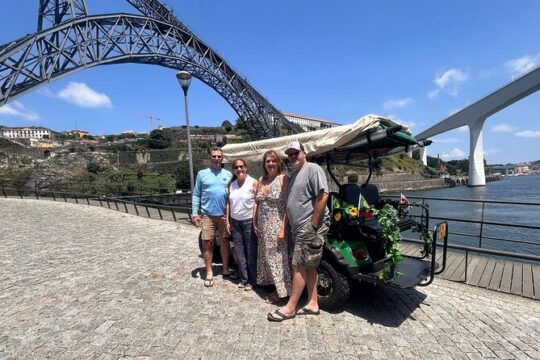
x=342, y=141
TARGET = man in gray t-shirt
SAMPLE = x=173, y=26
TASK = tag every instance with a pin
x=308, y=218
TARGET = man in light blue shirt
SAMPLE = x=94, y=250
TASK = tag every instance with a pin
x=208, y=210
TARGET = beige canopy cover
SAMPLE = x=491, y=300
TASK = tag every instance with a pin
x=315, y=142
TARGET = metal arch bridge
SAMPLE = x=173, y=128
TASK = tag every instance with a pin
x=476, y=114
x=69, y=40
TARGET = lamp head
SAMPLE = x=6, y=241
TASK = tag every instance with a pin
x=184, y=79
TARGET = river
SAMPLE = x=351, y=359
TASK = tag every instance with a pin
x=515, y=188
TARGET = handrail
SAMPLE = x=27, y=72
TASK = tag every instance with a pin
x=481, y=222
x=108, y=200
x=503, y=202
x=100, y=189
x=482, y=250
x=102, y=200
x=534, y=227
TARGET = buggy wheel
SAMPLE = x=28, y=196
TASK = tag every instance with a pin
x=217, y=253
x=333, y=288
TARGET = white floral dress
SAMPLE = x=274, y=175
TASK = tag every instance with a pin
x=272, y=259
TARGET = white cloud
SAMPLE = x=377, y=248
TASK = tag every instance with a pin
x=82, y=95
x=455, y=154
x=449, y=81
x=446, y=140
x=449, y=77
x=396, y=103
x=528, y=134
x=19, y=110
x=433, y=94
x=488, y=152
x=504, y=128
x=522, y=65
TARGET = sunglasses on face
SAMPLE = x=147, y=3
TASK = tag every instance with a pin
x=293, y=153
x=239, y=167
x=216, y=156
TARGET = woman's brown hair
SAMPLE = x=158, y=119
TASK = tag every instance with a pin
x=279, y=162
x=232, y=168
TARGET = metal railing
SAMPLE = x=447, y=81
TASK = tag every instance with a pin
x=112, y=203
x=481, y=224
x=141, y=209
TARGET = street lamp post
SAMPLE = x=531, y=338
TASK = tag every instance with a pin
x=184, y=79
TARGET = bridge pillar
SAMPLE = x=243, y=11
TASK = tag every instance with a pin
x=477, y=175
x=423, y=155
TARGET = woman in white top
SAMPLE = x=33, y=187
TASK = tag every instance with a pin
x=240, y=203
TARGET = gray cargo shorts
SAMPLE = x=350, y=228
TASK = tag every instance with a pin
x=308, y=245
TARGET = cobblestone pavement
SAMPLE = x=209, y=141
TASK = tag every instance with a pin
x=85, y=282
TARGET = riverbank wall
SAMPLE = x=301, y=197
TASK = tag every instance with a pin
x=399, y=182
x=464, y=180
x=406, y=182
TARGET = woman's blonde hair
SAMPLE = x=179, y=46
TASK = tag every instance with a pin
x=279, y=162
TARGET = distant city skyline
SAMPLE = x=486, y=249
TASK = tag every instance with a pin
x=416, y=62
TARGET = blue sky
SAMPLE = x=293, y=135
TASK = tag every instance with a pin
x=415, y=61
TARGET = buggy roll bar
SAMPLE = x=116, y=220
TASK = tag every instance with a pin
x=371, y=137
x=367, y=139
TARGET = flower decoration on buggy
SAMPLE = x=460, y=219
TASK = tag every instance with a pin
x=344, y=212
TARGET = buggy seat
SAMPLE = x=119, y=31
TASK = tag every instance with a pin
x=368, y=229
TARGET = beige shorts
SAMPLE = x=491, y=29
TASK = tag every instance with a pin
x=212, y=223
x=308, y=245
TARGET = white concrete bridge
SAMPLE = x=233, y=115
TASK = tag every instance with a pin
x=474, y=117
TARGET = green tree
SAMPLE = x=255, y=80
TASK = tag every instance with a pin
x=93, y=167
x=227, y=126
x=157, y=140
x=181, y=173
x=240, y=124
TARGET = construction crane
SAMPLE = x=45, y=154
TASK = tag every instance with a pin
x=152, y=118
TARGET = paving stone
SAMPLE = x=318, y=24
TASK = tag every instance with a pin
x=86, y=282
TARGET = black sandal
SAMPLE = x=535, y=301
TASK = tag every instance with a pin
x=278, y=316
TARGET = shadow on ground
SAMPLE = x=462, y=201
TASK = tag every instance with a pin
x=384, y=305
x=377, y=304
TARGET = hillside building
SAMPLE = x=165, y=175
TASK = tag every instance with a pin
x=25, y=132
x=78, y=133
x=309, y=123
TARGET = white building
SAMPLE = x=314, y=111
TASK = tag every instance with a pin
x=309, y=123
x=27, y=132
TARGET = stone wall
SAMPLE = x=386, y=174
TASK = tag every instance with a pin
x=137, y=158
x=396, y=182
x=12, y=149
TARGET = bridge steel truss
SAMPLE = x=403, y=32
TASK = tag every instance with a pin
x=87, y=41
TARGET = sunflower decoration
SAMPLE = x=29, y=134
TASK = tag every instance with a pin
x=341, y=211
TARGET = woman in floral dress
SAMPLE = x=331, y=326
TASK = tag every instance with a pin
x=270, y=223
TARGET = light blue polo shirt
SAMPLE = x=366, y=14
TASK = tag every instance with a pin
x=210, y=192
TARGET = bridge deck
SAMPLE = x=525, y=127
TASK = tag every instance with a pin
x=513, y=277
